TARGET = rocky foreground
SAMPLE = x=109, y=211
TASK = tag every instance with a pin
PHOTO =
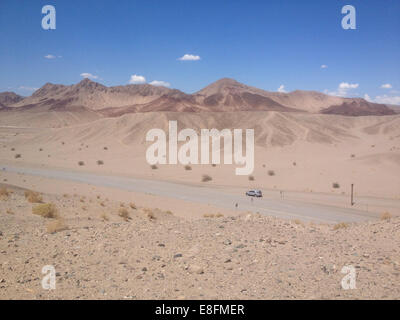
x=107, y=250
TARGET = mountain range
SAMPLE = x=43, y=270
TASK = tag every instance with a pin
x=221, y=96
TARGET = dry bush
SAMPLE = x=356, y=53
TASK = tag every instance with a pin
x=205, y=178
x=154, y=167
x=251, y=178
x=102, y=204
x=208, y=215
x=213, y=165
x=187, y=167
x=132, y=205
x=149, y=213
x=386, y=216
x=45, y=210
x=122, y=205
x=123, y=213
x=335, y=185
x=18, y=155
x=297, y=221
x=33, y=197
x=169, y=212
x=104, y=217
x=66, y=195
x=100, y=162
x=341, y=225
x=81, y=163
x=84, y=208
x=271, y=173
x=4, y=193
x=9, y=211
x=82, y=199
x=56, y=226
x=105, y=148
x=98, y=196
x=219, y=215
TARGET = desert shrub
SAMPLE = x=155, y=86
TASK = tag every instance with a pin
x=104, y=217
x=123, y=213
x=213, y=165
x=208, y=215
x=251, y=178
x=353, y=155
x=81, y=163
x=271, y=173
x=341, y=225
x=4, y=193
x=169, y=212
x=45, y=210
x=187, y=167
x=33, y=197
x=219, y=215
x=105, y=148
x=100, y=162
x=12, y=149
x=386, y=216
x=294, y=163
x=149, y=213
x=18, y=155
x=297, y=221
x=335, y=185
x=56, y=226
x=9, y=211
x=132, y=205
x=102, y=204
x=40, y=149
x=206, y=178
x=154, y=167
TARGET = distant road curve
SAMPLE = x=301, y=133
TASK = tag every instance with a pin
x=287, y=209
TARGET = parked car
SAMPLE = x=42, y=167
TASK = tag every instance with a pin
x=254, y=193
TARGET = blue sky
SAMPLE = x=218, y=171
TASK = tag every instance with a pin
x=267, y=44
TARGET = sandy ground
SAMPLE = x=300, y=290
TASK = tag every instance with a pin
x=158, y=255
x=172, y=248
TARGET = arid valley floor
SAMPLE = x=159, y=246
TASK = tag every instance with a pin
x=77, y=193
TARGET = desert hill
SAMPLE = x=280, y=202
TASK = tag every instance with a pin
x=223, y=95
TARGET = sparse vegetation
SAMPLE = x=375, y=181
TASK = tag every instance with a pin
x=17, y=156
x=213, y=165
x=45, y=210
x=251, y=178
x=386, y=216
x=123, y=213
x=33, y=197
x=187, y=167
x=132, y=205
x=105, y=148
x=100, y=162
x=56, y=226
x=335, y=185
x=169, y=212
x=154, y=167
x=206, y=178
x=9, y=211
x=341, y=225
x=4, y=193
x=81, y=163
x=149, y=213
x=271, y=173
x=104, y=217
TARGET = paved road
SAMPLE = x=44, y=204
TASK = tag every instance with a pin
x=206, y=195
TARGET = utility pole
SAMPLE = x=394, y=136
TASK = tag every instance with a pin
x=352, y=188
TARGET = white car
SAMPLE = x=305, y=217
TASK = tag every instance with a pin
x=254, y=193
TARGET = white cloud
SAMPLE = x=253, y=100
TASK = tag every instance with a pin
x=88, y=75
x=324, y=66
x=189, y=57
x=384, y=99
x=50, y=56
x=160, y=83
x=27, y=88
x=386, y=86
x=135, y=79
x=343, y=89
x=281, y=88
